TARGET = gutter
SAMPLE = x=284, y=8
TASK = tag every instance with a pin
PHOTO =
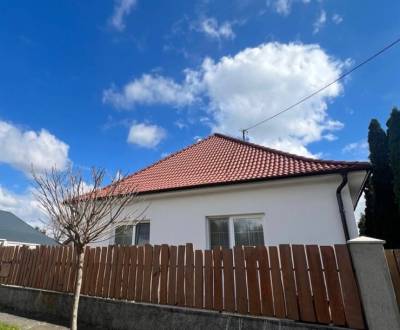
x=341, y=207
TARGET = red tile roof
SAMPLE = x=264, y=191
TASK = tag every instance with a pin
x=221, y=159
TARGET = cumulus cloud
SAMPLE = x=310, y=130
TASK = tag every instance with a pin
x=256, y=83
x=122, y=8
x=213, y=29
x=147, y=136
x=320, y=22
x=26, y=149
x=23, y=205
x=150, y=89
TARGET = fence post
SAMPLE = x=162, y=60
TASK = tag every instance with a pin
x=375, y=284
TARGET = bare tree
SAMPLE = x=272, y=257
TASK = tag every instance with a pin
x=84, y=213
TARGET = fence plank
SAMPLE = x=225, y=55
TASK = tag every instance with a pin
x=94, y=270
x=180, y=277
x=118, y=277
x=155, y=274
x=333, y=286
x=67, y=268
x=189, y=275
x=114, y=270
x=252, y=280
x=125, y=273
x=139, y=276
x=394, y=272
x=171, y=299
x=240, y=282
x=86, y=264
x=148, y=257
x=229, y=285
x=108, y=271
x=306, y=307
x=292, y=310
x=217, y=264
x=132, y=272
x=351, y=297
x=164, y=274
x=102, y=267
x=74, y=267
x=318, y=284
x=198, y=276
x=277, y=287
x=208, y=280
x=267, y=304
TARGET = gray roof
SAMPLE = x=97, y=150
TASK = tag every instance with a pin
x=14, y=229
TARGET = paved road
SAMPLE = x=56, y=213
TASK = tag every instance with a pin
x=25, y=323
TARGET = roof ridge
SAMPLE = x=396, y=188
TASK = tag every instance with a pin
x=284, y=153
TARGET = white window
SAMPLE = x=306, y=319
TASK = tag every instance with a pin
x=128, y=234
x=228, y=231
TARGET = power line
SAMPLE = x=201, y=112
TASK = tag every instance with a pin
x=369, y=59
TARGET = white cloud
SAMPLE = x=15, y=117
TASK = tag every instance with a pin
x=357, y=149
x=258, y=82
x=337, y=19
x=23, y=205
x=147, y=136
x=122, y=8
x=213, y=29
x=283, y=7
x=150, y=89
x=24, y=149
x=320, y=22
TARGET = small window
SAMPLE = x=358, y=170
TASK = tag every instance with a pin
x=142, y=234
x=123, y=235
x=236, y=230
x=219, y=232
x=248, y=232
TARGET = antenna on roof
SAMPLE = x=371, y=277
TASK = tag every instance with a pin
x=244, y=134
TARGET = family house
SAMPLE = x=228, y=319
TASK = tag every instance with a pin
x=224, y=191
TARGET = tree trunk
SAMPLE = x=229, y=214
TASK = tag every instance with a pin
x=77, y=292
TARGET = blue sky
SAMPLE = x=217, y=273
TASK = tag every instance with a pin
x=120, y=84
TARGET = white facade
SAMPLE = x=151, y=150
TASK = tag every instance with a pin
x=296, y=211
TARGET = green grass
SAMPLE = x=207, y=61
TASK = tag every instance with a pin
x=5, y=326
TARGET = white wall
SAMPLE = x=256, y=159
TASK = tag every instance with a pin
x=301, y=210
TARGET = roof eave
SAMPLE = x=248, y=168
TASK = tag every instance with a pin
x=362, y=166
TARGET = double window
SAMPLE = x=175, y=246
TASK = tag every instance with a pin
x=127, y=234
x=228, y=231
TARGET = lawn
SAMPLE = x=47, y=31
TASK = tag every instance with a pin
x=5, y=326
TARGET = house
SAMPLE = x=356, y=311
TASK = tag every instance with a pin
x=14, y=231
x=224, y=191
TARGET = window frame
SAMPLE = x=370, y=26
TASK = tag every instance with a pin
x=132, y=223
x=231, y=229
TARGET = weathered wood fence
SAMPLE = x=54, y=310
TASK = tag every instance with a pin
x=393, y=260
x=307, y=283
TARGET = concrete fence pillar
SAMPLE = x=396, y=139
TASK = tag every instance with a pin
x=375, y=284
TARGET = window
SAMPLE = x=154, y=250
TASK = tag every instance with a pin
x=236, y=230
x=142, y=235
x=123, y=235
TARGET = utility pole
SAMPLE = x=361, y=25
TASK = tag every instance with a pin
x=244, y=132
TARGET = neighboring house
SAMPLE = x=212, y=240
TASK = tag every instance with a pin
x=14, y=231
x=224, y=191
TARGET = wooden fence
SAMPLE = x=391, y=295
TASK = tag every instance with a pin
x=307, y=283
x=393, y=260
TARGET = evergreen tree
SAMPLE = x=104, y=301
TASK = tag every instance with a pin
x=393, y=132
x=381, y=211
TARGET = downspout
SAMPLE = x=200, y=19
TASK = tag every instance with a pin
x=341, y=207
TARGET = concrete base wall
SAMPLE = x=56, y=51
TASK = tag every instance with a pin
x=111, y=314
